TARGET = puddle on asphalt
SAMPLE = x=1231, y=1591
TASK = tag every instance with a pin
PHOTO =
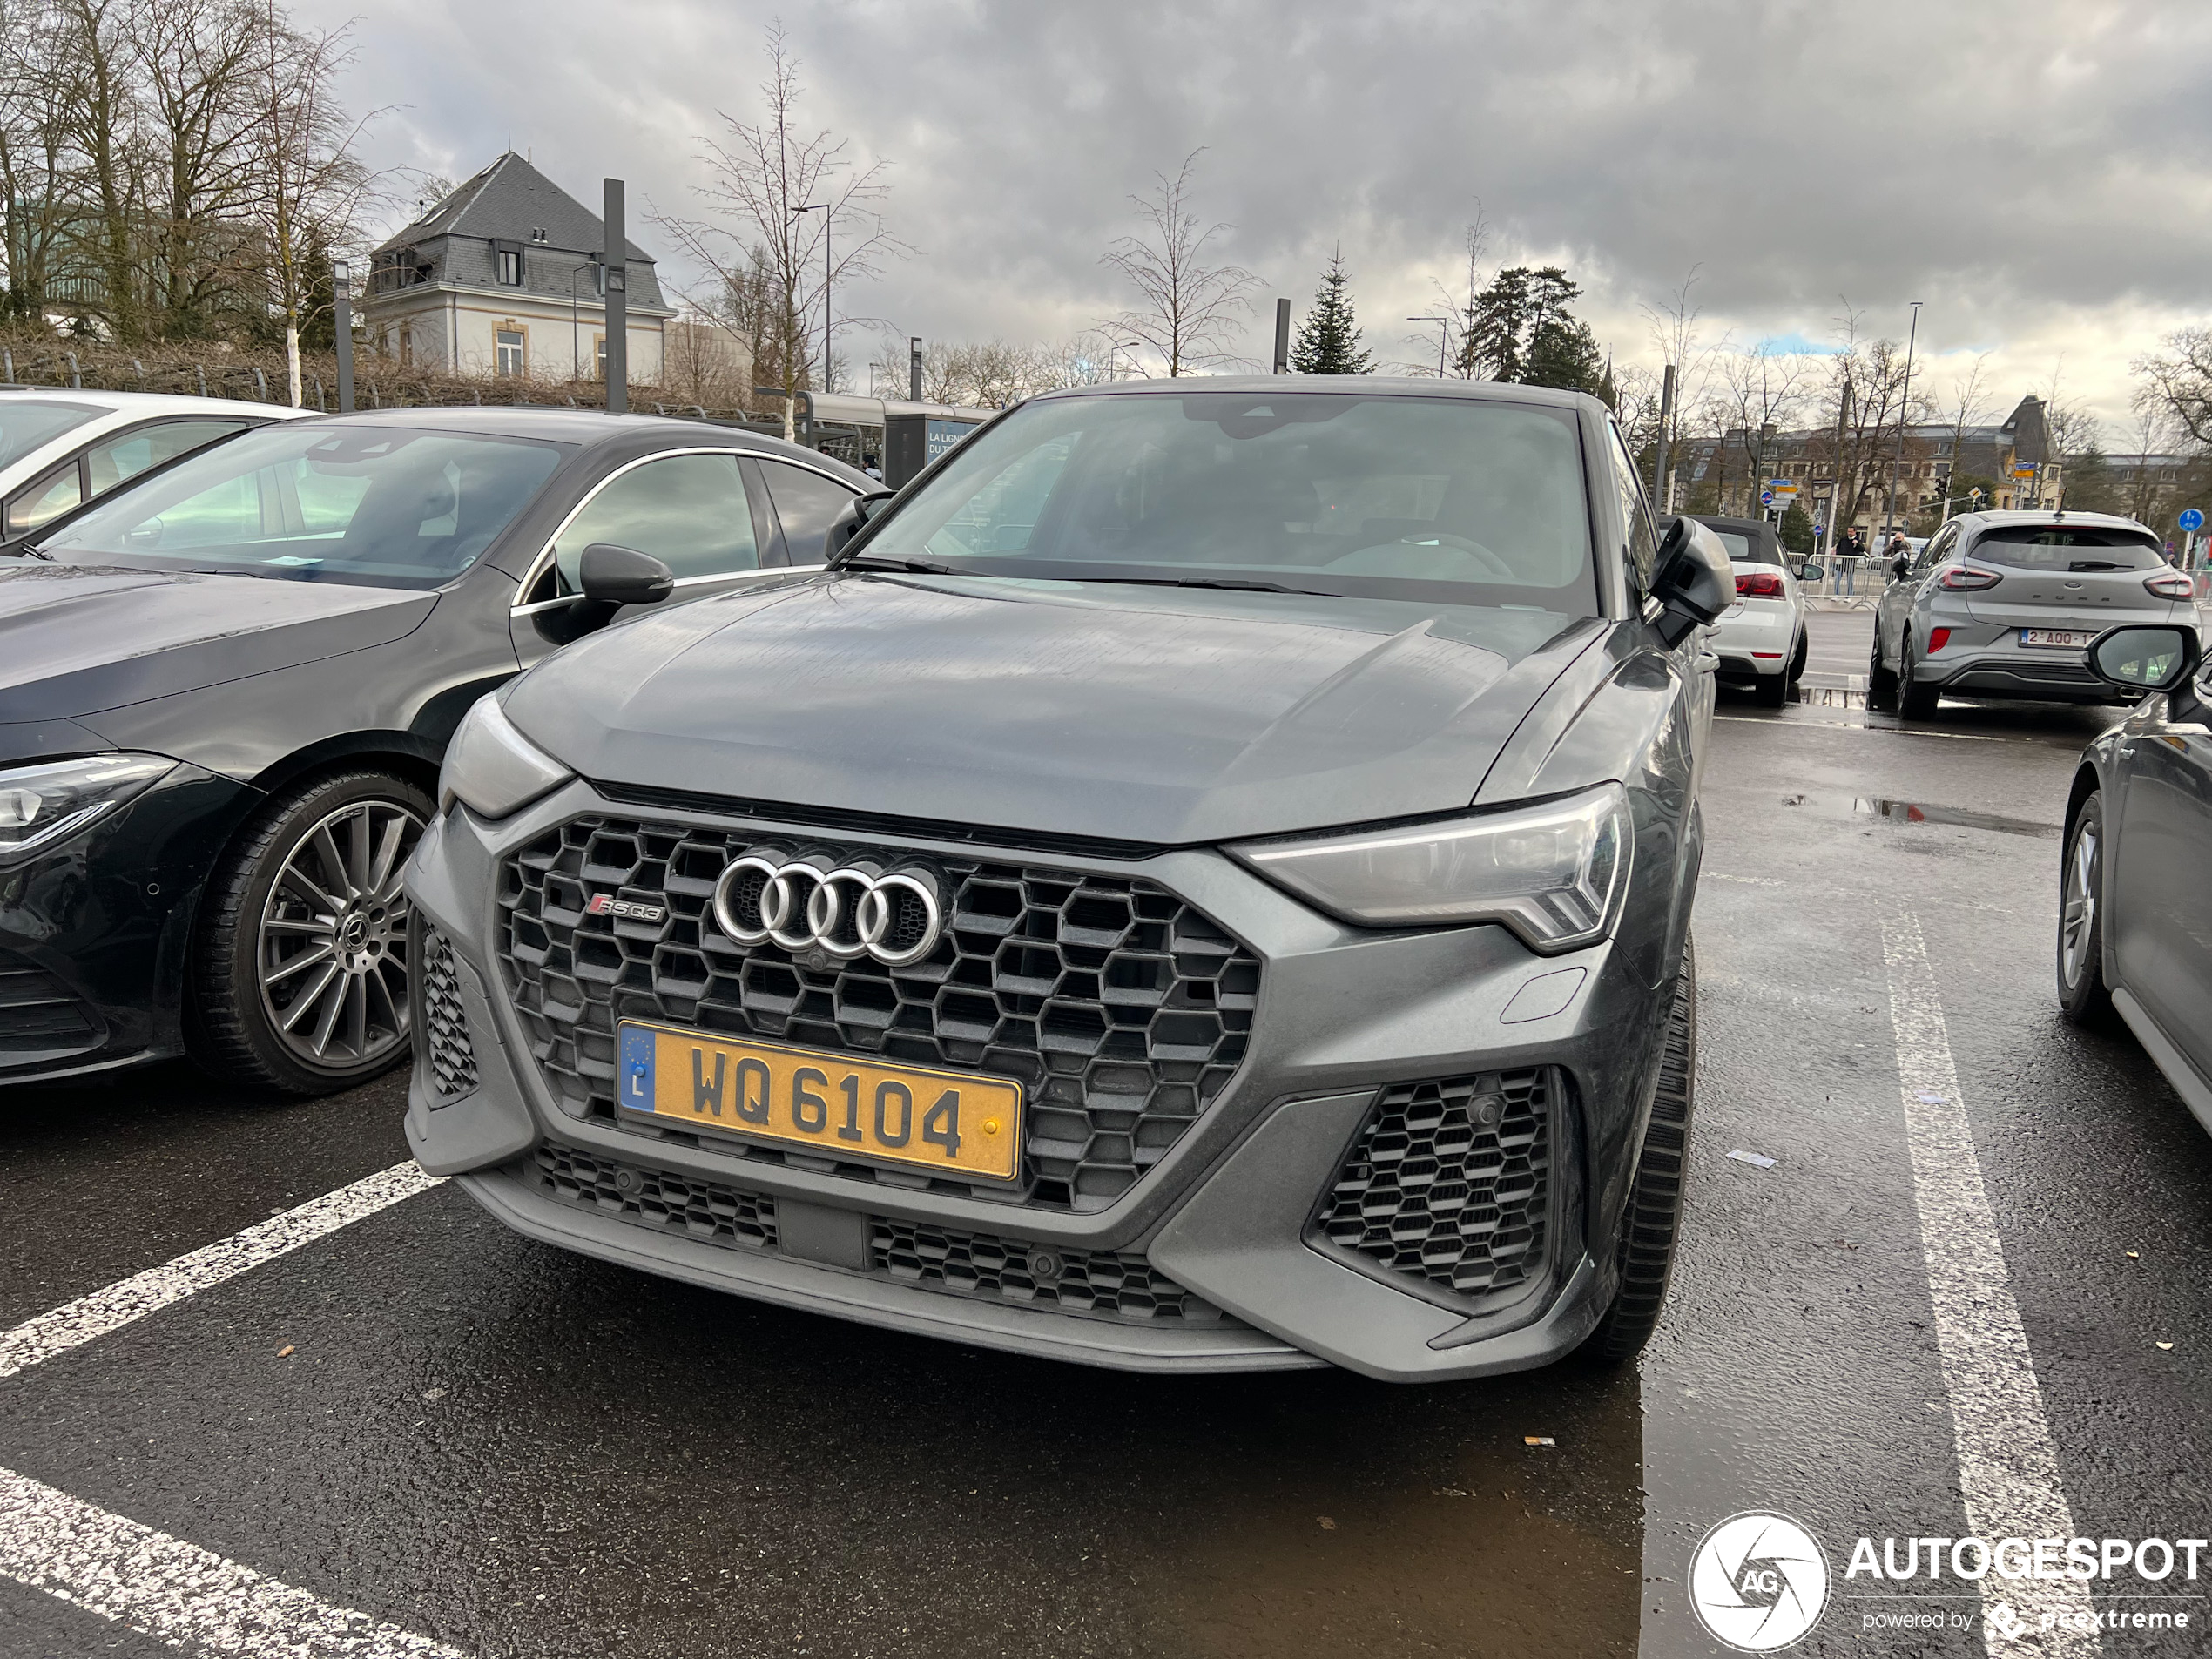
x=1914, y=811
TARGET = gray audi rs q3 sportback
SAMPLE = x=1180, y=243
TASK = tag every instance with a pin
x=1201, y=882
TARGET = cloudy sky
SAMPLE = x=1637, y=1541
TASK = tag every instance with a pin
x=2038, y=171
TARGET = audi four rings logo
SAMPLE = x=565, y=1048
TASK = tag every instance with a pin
x=851, y=911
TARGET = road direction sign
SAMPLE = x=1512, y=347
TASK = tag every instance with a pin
x=2023, y=469
x=2191, y=520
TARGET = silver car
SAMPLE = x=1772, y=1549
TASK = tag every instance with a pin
x=2005, y=605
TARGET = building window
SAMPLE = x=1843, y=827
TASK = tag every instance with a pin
x=508, y=346
x=510, y=267
x=598, y=357
x=407, y=346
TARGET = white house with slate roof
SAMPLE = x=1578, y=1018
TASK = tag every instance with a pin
x=503, y=277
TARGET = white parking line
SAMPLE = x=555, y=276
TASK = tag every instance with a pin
x=2008, y=1469
x=175, y=1592
x=161, y=1586
x=70, y=1326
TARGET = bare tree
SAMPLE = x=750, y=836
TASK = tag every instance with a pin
x=1763, y=391
x=39, y=175
x=2180, y=378
x=790, y=217
x=1187, y=306
x=308, y=186
x=1968, y=399
x=199, y=64
x=1675, y=335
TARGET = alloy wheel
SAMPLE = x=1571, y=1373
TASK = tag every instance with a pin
x=2078, y=906
x=331, y=952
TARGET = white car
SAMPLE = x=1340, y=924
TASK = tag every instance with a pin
x=61, y=446
x=1761, y=638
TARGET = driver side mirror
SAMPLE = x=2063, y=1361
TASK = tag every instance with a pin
x=1809, y=570
x=1694, y=582
x=852, y=519
x=2145, y=658
x=1898, y=568
x=622, y=575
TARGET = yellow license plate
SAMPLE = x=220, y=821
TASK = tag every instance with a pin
x=954, y=1123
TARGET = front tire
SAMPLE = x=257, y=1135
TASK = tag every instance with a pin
x=301, y=967
x=2082, y=996
x=1653, y=1221
x=1916, y=699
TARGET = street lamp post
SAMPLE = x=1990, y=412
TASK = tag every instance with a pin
x=1443, y=339
x=1904, y=399
x=575, y=324
x=1128, y=345
x=341, y=316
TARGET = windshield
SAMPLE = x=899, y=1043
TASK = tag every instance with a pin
x=372, y=506
x=31, y=423
x=1450, y=499
x=2068, y=547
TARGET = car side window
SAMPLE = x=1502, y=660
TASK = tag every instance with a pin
x=1643, y=551
x=49, y=498
x=113, y=460
x=1935, y=552
x=687, y=511
x=805, y=504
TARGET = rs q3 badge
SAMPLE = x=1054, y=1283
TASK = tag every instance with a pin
x=605, y=904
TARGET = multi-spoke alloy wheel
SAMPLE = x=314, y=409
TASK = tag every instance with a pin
x=301, y=971
x=333, y=948
x=2082, y=994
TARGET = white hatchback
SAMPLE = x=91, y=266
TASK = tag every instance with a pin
x=60, y=447
x=1761, y=638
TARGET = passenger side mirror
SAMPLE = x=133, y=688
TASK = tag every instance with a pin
x=1694, y=582
x=2145, y=657
x=855, y=517
x=622, y=575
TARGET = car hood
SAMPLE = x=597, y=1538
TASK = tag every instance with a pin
x=1117, y=711
x=75, y=639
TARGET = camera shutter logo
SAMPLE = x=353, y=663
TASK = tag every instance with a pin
x=1758, y=1582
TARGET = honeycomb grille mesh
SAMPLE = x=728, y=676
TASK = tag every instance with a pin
x=1117, y=1284
x=701, y=1210
x=1450, y=1182
x=1096, y=1284
x=1122, y=1010
x=452, y=1054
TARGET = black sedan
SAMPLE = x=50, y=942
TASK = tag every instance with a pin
x=2135, y=910
x=226, y=691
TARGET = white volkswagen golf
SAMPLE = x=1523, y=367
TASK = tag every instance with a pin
x=1761, y=640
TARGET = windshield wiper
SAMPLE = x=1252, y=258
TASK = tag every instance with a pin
x=1234, y=585
x=912, y=567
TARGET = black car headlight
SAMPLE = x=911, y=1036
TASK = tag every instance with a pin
x=41, y=804
x=1555, y=873
x=492, y=768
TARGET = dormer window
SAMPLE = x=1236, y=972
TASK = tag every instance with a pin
x=511, y=267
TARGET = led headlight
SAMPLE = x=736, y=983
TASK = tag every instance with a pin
x=1555, y=873
x=43, y=805
x=493, y=768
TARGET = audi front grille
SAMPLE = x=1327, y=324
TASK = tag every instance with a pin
x=1120, y=1009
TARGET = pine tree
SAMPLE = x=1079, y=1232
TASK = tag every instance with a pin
x=1328, y=341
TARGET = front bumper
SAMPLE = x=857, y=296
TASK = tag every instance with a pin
x=1215, y=1259
x=96, y=933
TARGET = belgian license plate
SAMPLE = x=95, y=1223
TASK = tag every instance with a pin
x=833, y=1104
x=2056, y=639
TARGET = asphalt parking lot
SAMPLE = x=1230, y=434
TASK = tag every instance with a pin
x=423, y=1419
